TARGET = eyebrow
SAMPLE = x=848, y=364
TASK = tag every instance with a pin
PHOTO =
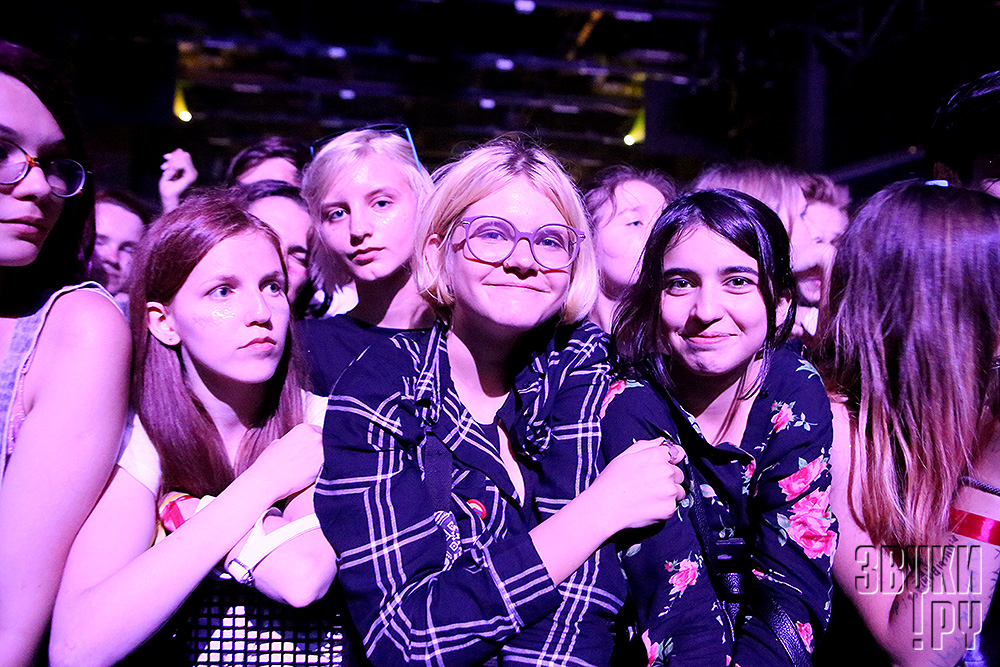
x=10, y=134
x=729, y=270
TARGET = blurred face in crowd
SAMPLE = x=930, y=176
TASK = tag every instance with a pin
x=118, y=232
x=813, y=257
x=28, y=209
x=291, y=222
x=624, y=223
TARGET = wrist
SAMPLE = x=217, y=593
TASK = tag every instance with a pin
x=597, y=512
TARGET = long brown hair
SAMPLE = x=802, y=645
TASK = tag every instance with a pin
x=191, y=451
x=910, y=344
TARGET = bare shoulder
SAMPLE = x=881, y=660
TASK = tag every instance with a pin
x=82, y=321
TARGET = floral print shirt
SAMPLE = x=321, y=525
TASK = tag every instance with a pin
x=772, y=489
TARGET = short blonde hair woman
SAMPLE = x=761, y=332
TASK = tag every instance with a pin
x=470, y=451
x=481, y=173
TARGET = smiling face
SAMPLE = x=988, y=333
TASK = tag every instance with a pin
x=230, y=316
x=28, y=209
x=626, y=221
x=513, y=297
x=714, y=319
x=291, y=222
x=367, y=219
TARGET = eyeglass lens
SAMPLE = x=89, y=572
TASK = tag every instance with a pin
x=554, y=246
x=63, y=175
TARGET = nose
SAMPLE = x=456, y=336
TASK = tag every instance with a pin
x=707, y=305
x=360, y=224
x=258, y=311
x=521, y=259
x=34, y=184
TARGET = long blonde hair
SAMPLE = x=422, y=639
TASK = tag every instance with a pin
x=910, y=343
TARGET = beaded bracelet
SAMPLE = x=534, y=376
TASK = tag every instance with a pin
x=975, y=526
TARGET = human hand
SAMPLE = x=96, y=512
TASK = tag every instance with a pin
x=178, y=175
x=291, y=463
x=642, y=485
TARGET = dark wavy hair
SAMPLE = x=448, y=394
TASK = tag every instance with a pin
x=191, y=451
x=64, y=256
x=267, y=148
x=740, y=219
x=910, y=343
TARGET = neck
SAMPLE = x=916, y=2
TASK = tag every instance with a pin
x=604, y=311
x=718, y=402
x=480, y=368
x=233, y=406
x=392, y=302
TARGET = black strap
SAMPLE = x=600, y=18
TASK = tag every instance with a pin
x=727, y=566
x=777, y=618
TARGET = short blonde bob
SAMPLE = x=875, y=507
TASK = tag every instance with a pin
x=341, y=156
x=478, y=174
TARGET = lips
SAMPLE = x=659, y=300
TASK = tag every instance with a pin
x=33, y=222
x=707, y=338
x=516, y=286
x=364, y=253
x=262, y=343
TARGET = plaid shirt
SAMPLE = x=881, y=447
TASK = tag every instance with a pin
x=457, y=587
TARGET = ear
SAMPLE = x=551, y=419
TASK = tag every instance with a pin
x=161, y=324
x=782, y=310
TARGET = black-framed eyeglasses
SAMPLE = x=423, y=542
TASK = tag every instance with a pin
x=492, y=239
x=64, y=176
x=386, y=128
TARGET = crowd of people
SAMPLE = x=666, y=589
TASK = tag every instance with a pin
x=333, y=410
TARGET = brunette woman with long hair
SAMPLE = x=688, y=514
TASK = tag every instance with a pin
x=700, y=342
x=911, y=355
x=217, y=441
x=64, y=376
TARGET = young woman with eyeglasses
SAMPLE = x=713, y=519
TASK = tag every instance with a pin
x=459, y=480
x=64, y=375
x=223, y=438
x=364, y=189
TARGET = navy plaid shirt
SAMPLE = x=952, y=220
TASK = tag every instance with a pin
x=457, y=587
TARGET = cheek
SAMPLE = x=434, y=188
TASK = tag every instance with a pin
x=336, y=236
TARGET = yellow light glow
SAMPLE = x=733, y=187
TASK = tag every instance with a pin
x=180, y=105
x=629, y=140
x=637, y=134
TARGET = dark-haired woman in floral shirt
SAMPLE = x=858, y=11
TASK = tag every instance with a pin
x=699, y=338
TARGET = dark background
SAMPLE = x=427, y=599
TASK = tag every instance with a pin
x=843, y=87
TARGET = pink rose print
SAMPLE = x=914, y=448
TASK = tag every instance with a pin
x=615, y=389
x=782, y=417
x=749, y=471
x=687, y=574
x=809, y=525
x=651, y=649
x=797, y=484
x=806, y=632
